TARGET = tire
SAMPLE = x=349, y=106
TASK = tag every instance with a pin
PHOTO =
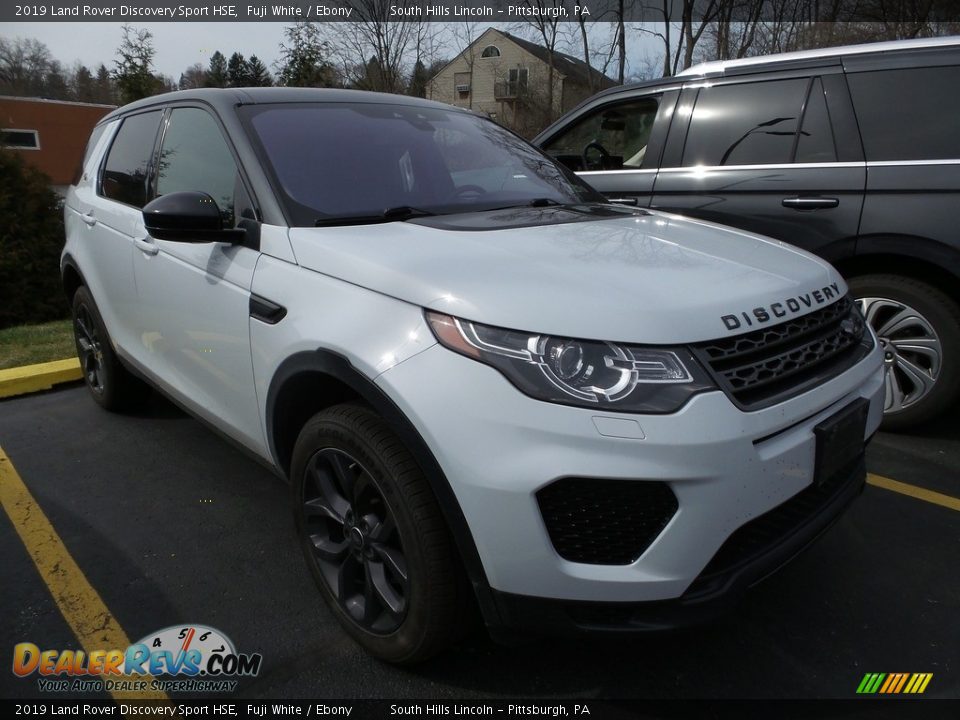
x=110, y=384
x=919, y=329
x=366, y=517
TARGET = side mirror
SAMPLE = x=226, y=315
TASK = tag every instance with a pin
x=188, y=217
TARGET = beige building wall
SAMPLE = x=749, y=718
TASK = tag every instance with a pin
x=484, y=73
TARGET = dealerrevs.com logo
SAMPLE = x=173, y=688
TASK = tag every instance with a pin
x=192, y=658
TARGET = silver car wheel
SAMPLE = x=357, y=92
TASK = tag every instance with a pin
x=911, y=350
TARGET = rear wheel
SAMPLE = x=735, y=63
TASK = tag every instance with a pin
x=110, y=384
x=919, y=331
x=374, y=537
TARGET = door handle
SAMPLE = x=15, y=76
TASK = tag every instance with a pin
x=623, y=201
x=89, y=219
x=145, y=246
x=810, y=203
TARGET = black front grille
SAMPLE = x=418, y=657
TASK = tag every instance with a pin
x=762, y=367
x=605, y=522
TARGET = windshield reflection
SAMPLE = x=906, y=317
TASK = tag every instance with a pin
x=359, y=160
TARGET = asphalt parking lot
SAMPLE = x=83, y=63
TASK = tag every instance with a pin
x=169, y=524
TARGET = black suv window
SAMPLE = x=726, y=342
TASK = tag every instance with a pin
x=128, y=163
x=816, y=143
x=613, y=137
x=195, y=156
x=908, y=114
x=748, y=124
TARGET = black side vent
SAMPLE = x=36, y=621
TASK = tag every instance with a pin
x=605, y=522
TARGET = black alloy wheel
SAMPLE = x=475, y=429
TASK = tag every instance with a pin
x=355, y=541
x=374, y=537
x=111, y=385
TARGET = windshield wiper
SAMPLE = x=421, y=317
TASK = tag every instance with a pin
x=392, y=214
x=542, y=202
x=536, y=202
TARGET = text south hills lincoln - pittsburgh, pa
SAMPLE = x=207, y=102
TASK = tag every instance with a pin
x=510, y=12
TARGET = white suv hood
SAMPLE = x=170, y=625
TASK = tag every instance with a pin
x=654, y=278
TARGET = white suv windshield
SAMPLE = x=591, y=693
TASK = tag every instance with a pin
x=351, y=161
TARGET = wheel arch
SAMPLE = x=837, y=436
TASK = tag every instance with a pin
x=917, y=257
x=70, y=277
x=307, y=383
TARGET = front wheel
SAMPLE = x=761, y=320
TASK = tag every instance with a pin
x=374, y=537
x=110, y=384
x=919, y=331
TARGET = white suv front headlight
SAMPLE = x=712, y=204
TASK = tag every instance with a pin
x=586, y=373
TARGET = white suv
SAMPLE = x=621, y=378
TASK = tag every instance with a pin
x=488, y=389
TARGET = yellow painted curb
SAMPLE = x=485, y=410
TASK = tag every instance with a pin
x=43, y=376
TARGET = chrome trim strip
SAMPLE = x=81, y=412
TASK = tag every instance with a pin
x=905, y=163
x=631, y=171
x=773, y=166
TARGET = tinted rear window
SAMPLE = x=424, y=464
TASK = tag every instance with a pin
x=128, y=162
x=748, y=124
x=908, y=114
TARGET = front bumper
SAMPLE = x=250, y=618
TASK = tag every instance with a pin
x=755, y=552
x=497, y=448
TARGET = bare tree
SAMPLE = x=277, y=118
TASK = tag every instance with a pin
x=24, y=64
x=464, y=36
x=193, y=77
x=544, y=24
x=374, y=38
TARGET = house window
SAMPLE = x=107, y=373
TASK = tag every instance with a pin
x=20, y=139
x=461, y=83
x=514, y=86
x=490, y=51
x=517, y=78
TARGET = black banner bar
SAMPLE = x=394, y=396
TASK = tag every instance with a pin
x=485, y=11
x=230, y=709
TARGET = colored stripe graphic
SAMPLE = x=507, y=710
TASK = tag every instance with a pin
x=894, y=683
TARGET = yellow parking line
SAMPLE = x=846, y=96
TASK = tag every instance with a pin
x=930, y=496
x=81, y=605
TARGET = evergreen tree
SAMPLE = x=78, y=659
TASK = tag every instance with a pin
x=418, y=80
x=31, y=238
x=55, y=85
x=217, y=71
x=258, y=75
x=104, y=90
x=133, y=73
x=302, y=58
x=84, y=88
x=238, y=71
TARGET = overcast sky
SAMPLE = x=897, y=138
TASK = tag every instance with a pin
x=180, y=45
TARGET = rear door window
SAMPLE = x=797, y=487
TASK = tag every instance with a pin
x=908, y=114
x=126, y=171
x=815, y=143
x=745, y=124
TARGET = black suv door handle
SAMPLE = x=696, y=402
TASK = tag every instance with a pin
x=810, y=203
x=622, y=201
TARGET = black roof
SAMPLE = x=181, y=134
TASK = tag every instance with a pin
x=227, y=98
x=566, y=64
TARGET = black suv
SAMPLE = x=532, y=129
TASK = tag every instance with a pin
x=852, y=153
